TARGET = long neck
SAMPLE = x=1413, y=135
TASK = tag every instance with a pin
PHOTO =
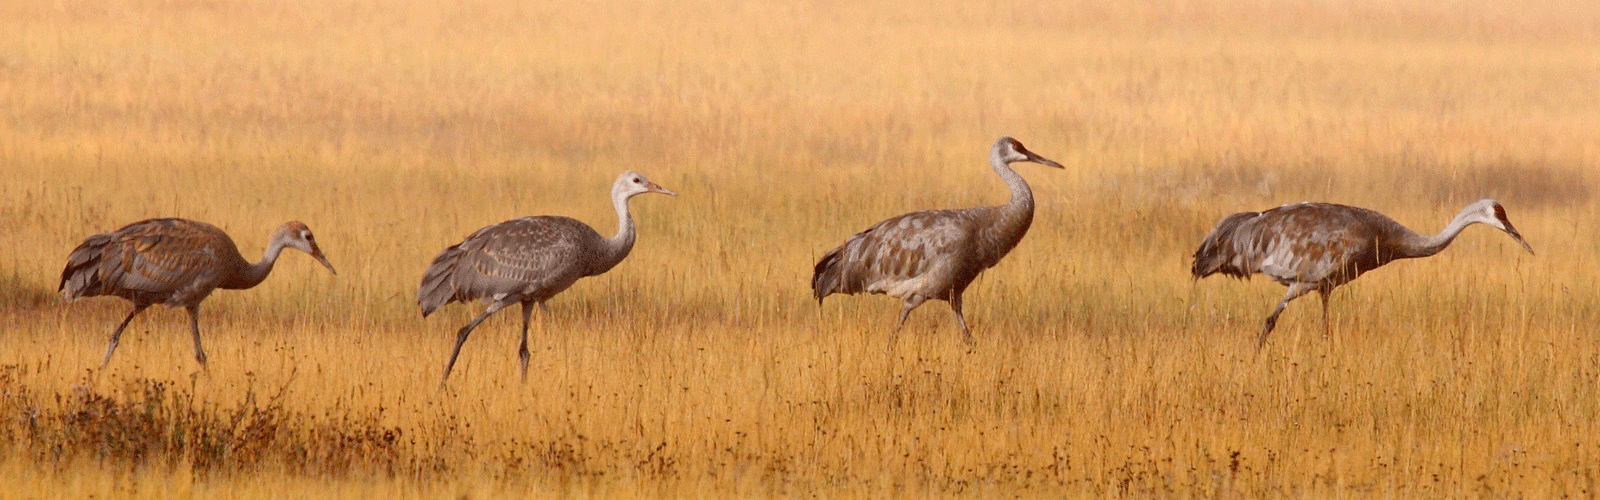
x=253, y=274
x=1021, y=195
x=1009, y=222
x=617, y=247
x=1423, y=246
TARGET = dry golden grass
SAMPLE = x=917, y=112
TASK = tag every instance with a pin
x=701, y=367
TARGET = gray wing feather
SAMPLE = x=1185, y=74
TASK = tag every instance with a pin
x=81, y=278
x=534, y=257
x=918, y=252
x=151, y=261
x=1306, y=243
x=1226, y=249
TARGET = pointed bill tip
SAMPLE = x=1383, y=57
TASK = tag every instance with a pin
x=1518, y=236
x=324, y=261
x=656, y=188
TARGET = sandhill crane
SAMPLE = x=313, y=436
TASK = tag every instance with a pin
x=176, y=262
x=933, y=254
x=1319, y=246
x=528, y=260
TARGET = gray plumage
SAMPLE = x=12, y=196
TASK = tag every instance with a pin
x=1319, y=246
x=527, y=261
x=933, y=254
x=175, y=262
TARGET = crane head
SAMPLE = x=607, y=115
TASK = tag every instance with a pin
x=1012, y=151
x=296, y=235
x=632, y=183
x=1491, y=213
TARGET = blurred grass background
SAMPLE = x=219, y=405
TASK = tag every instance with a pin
x=701, y=366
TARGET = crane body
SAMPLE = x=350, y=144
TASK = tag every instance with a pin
x=175, y=262
x=1316, y=247
x=933, y=254
x=527, y=261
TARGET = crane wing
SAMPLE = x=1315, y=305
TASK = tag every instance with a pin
x=912, y=253
x=1305, y=243
x=543, y=255
x=1322, y=242
x=150, y=258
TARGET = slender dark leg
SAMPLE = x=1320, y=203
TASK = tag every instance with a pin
x=955, y=305
x=911, y=303
x=1327, y=328
x=1295, y=291
x=116, y=336
x=461, y=337
x=522, y=351
x=194, y=326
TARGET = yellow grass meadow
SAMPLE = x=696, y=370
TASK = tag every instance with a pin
x=701, y=366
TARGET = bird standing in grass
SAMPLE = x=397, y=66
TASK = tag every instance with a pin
x=933, y=254
x=1319, y=246
x=528, y=261
x=176, y=262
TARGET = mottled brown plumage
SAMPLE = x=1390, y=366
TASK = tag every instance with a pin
x=527, y=261
x=933, y=254
x=1319, y=246
x=176, y=262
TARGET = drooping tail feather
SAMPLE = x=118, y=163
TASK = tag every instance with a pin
x=825, y=276
x=1222, y=251
x=837, y=272
x=438, y=282
x=81, y=277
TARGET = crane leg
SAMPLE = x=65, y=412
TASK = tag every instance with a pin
x=955, y=305
x=194, y=327
x=1295, y=291
x=1327, y=328
x=911, y=303
x=116, y=336
x=461, y=337
x=522, y=351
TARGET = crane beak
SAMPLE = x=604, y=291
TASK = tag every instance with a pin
x=1043, y=161
x=316, y=253
x=1518, y=236
x=656, y=188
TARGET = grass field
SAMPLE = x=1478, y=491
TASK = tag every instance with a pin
x=701, y=366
